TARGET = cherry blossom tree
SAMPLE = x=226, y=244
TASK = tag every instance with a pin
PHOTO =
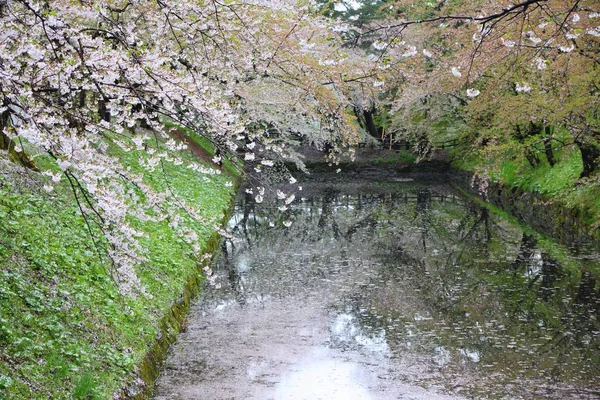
x=76, y=76
x=533, y=61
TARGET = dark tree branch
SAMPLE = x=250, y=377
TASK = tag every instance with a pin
x=514, y=9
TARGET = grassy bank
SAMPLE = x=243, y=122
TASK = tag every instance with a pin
x=65, y=330
x=507, y=163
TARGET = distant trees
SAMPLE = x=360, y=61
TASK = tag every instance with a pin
x=513, y=63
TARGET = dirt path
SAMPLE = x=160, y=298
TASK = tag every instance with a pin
x=193, y=147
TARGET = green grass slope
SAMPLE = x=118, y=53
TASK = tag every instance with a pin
x=65, y=331
x=506, y=163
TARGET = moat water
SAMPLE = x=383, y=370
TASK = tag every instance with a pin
x=392, y=289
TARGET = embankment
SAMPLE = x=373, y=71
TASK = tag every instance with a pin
x=572, y=226
x=66, y=331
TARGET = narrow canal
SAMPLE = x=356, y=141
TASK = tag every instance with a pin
x=389, y=290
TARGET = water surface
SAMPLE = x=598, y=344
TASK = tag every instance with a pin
x=389, y=290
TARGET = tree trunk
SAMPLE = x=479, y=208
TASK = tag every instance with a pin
x=590, y=156
x=549, y=151
x=81, y=98
x=3, y=119
x=531, y=157
x=521, y=134
x=7, y=144
x=370, y=124
x=103, y=111
x=535, y=128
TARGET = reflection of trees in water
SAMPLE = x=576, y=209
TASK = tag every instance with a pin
x=486, y=268
x=341, y=216
x=586, y=293
x=551, y=272
x=544, y=280
x=321, y=232
x=327, y=215
x=247, y=210
x=536, y=262
x=525, y=254
x=543, y=300
x=586, y=308
x=367, y=222
x=422, y=210
x=233, y=274
x=551, y=317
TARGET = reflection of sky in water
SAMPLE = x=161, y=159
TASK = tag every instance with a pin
x=346, y=331
x=318, y=376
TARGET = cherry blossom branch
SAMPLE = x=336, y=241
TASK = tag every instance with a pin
x=516, y=8
x=281, y=44
x=70, y=178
